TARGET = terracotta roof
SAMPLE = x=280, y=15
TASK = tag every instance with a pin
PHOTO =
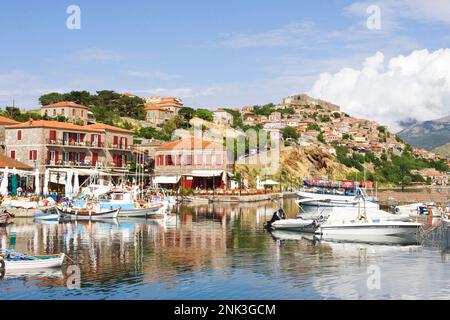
x=102, y=126
x=8, y=121
x=65, y=104
x=128, y=94
x=12, y=163
x=53, y=124
x=190, y=143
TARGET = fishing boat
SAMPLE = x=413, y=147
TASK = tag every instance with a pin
x=17, y=261
x=130, y=208
x=89, y=213
x=316, y=199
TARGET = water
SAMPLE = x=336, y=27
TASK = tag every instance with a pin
x=221, y=252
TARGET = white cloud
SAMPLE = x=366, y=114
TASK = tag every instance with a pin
x=153, y=75
x=96, y=55
x=415, y=86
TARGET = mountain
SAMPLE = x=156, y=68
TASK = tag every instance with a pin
x=428, y=134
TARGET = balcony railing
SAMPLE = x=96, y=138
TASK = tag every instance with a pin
x=86, y=163
x=120, y=147
x=73, y=143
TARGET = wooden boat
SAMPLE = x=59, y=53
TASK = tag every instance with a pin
x=86, y=214
x=22, y=262
x=152, y=210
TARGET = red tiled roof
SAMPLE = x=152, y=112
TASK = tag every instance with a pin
x=53, y=124
x=190, y=143
x=12, y=163
x=65, y=104
x=102, y=126
x=8, y=121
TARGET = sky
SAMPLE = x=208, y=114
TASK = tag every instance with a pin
x=384, y=60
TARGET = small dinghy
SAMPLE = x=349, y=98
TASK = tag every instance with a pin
x=86, y=214
x=17, y=261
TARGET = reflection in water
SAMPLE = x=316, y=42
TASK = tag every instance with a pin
x=219, y=252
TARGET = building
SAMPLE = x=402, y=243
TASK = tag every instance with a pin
x=193, y=163
x=4, y=122
x=161, y=109
x=44, y=144
x=301, y=100
x=74, y=112
x=222, y=117
x=275, y=116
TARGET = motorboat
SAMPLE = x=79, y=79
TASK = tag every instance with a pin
x=335, y=199
x=419, y=209
x=367, y=226
x=350, y=224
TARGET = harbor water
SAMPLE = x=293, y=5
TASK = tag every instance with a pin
x=219, y=251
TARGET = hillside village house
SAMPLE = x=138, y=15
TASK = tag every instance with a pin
x=4, y=122
x=44, y=144
x=161, y=109
x=72, y=111
x=193, y=163
x=222, y=117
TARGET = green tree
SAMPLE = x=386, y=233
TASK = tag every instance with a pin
x=290, y=132
x=204, y=114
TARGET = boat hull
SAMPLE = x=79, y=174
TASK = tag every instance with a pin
x=141, y=212
x=82, y=214
x=396, y=233
x=54, y=261
x=299, y=225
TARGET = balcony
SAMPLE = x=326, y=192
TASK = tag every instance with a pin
x=75, y=144
x=120, y=147
x=85, y=164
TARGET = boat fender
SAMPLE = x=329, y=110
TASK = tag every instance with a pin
x=2, y=264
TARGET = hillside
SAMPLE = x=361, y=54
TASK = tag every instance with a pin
x=297, y=163
x=443, y=150
x=428, y=134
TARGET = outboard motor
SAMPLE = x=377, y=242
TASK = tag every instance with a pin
x=277, y=215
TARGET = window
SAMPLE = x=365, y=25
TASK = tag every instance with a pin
x=218, y=159
x=52, y=135
x=32, y=155
x=19, y=135
x=199, y=159
x=13, y=154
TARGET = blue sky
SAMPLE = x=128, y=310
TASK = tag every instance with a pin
x=210, y=53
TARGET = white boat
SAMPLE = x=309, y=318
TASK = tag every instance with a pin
x=299, y=224
x=419, y=209
x=367, y=226
x=86, y=214
x=36, y=262
x=308, y=198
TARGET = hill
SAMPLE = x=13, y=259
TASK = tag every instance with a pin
x=428, y=134
x=443, y=150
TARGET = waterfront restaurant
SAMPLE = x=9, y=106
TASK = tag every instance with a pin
x=193, y=163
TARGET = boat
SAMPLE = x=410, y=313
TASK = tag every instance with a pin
x=130, y=207
x=350, y=224
x=367, y=226
x=17, y=261
x=86, y=214
x=419, y=209
x=319, y=199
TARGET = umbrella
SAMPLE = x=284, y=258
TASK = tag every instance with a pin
x=14, y=183
x=68, y=188
x=4, y=183
x=46, y=178
x=76, y=183
x=37, y=187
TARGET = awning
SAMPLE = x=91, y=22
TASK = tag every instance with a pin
x=269, y=182
x=206, y=173
x=166, y=179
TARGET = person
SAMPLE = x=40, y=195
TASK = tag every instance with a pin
x=19, y=191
